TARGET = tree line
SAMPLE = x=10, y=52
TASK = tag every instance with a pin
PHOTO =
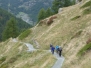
x=56, y=4
x=16, y=25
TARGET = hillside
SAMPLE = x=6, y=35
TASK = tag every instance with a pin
x=25, y=8
x=5, y=16
x=71, y=29
x=14, y=54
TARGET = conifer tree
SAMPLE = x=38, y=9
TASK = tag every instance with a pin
x=61, y=3
x=41, y=14
x=56, y=5
x=11, y=30
x=48, y=12
x=68, y=2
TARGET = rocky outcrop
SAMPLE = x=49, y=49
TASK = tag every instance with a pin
x=48, y=21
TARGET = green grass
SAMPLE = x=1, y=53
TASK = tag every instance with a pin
x=5, y=65
x=76, y=17
x=84, y=49
x=12, y=59
x=24, y=34
x=87, y=4
x=87, y=11
x=77, y=34
x=2, y=59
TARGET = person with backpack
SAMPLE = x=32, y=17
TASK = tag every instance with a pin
x=52, y=48
x=60, y=51
x=56, y=48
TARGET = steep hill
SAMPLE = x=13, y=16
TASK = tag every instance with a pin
x=5, y=16
x=15, y=54
x=25, y=8
x=70, y=28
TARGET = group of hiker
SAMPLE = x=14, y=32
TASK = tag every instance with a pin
x=57, y=48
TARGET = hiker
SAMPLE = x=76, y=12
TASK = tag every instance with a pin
x=56, y=48
x=60, y=51
x=52, y=48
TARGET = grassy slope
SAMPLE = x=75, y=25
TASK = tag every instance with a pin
x=70, y=34
x=17, y=56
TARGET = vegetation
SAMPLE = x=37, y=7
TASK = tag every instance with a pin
x=48, y=13
x=12, y=59
x=76, y=17
x=25, y=6
x=5, y=65
x=87, y=4
x=85, y=49
x=11, y=30
x=24, y=34
x=5, y=16
x=54, y=9
x=87, y=11
x=41, y=14
x=77, y=34
x=61, y=3
x=2, y=59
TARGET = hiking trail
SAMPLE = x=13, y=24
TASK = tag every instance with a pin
x=58, y=63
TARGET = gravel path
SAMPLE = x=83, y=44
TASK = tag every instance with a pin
x=58, y=63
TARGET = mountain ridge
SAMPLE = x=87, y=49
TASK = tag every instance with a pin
x=28, y=7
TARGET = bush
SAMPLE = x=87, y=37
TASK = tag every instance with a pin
x=77, y=34
x=87, y=11
x=12, y=60
x=5, y=65
x=85, y=49
x=2, y=59
x=51, y=20
x=24, y=34
x=88, y=4
x=88, y=41
x=76, y=17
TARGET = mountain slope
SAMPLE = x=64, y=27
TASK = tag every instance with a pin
x=15, y=54
x=5, y=16
x=29, y=8
x=70, y=29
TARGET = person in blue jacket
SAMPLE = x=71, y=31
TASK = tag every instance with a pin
x=56, y=48
x=52, y=48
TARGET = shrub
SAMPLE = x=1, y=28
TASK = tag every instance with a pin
x=87, y=11
x=77, y=34
x=5, y=65
x=24, y=34
x=41, y=22
x=85, y=49
x=88, y=41
x=12, y=59
x=87, y=4
x=2, y=59
x=76, y=17
x=51, y=20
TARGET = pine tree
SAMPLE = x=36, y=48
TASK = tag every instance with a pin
x=41, y=14
x=11, y=30
x=61, y=3
x=56, y=5
x=48, y=12
x=68, y=2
